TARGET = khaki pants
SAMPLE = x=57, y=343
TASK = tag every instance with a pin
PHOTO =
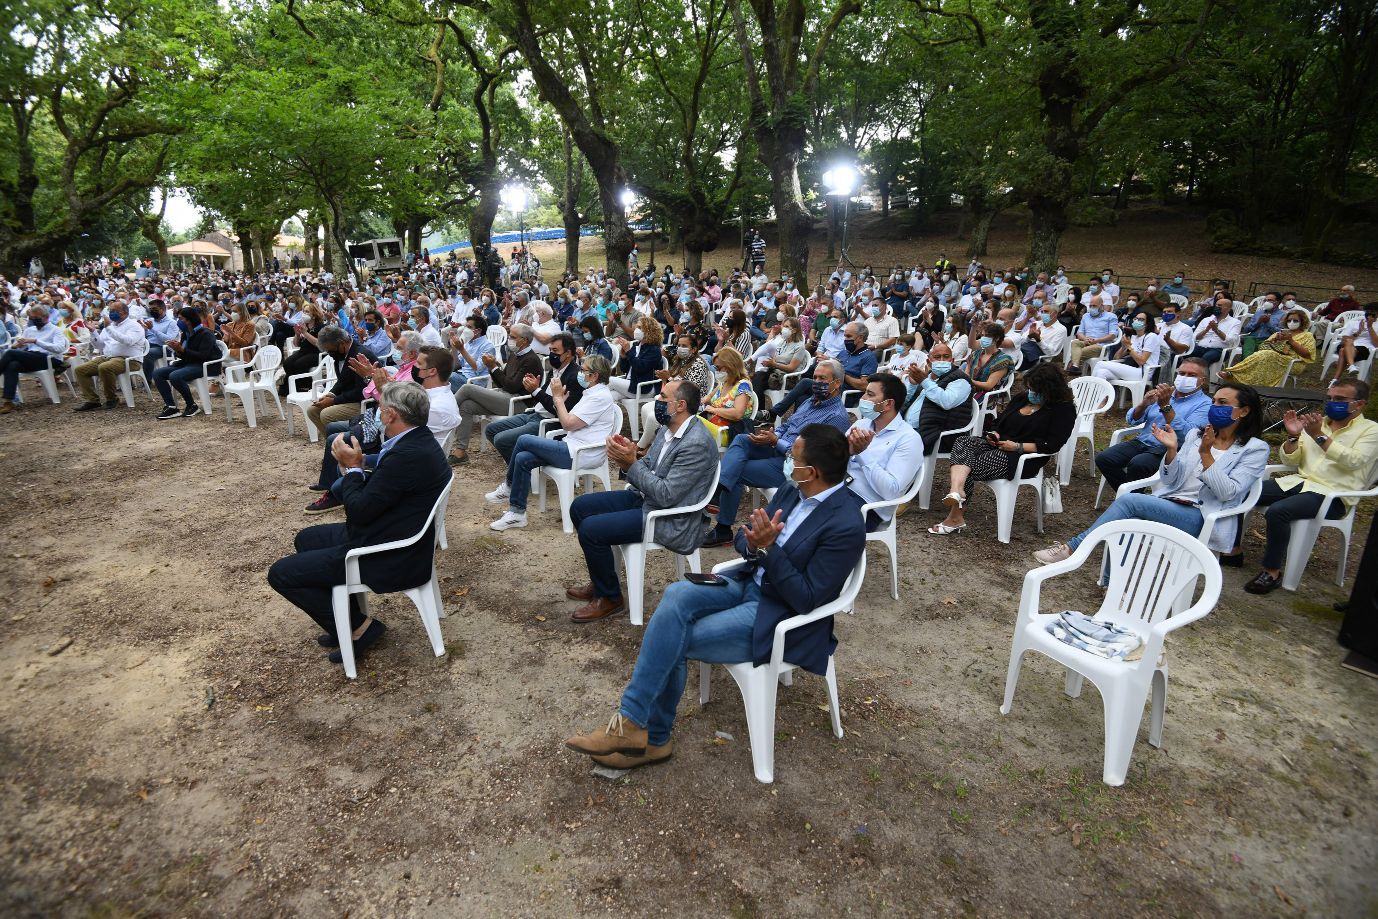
x=1083, y=352
x=108, y=368
x=320, y=417
x=477, y=400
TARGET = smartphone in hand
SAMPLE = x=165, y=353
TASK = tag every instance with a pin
x=708, y=579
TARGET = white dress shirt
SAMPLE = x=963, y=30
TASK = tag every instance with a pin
x=886, y=468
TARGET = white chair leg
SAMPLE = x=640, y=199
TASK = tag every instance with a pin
x=339, y=598
x=1343, y=560
x=127, y=389
x=786, y=677
x=425, y=599
x=887, y=539
x=564, y=488
x=277, y=400
x=1124, y=710
x=634, y=557
x=834, y=707
x=1038, y=502
x=695, y=564
x=1073, y=684
x=1155, y=719
x=250, y=410
x=1065, y=456
x=634, y=419
x=1304, y=533
x=1012, y=674
x=758, y=687
x=1005, y=500
x=930, y=465
x=705, y=682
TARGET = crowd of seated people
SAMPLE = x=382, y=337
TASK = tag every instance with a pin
x=885, y=372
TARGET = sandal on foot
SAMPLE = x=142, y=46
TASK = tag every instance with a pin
x=953, y=499
x=942, y=529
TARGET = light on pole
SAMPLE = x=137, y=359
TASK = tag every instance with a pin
x=840, y=182
x=628, y=198
x=514, y=196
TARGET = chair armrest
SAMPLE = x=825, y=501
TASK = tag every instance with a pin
x=1130, y=487
x=1019, y=464
x=1119, y=434
x=574, y=455
x=512, y=403
x=1274, y=468
x=725, y=567
x=1333, y=496
x=637, y=393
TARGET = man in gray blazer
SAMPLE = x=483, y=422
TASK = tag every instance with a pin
x=676, y=471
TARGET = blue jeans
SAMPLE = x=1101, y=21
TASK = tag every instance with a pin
x=1144, y=507
x=746, y=464
x=502, y=433
x=529, y=452
x=1031, y=351
x=605, y=519
x=1129, y=461
x=697, y=621
x=330, y=469
x=1209, y=355
x=178, y=377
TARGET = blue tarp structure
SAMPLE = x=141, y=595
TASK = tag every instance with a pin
x=531, y=236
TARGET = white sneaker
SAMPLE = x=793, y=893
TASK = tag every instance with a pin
x=498, y=495
x=1057, y=553
x=508, y=520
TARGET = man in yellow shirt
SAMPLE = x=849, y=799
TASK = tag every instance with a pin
x=1334, y=451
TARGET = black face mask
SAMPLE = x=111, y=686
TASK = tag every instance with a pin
x=416, y=374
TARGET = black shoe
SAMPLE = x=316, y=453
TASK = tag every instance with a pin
x=365, y=641
x=326, y=640
x=315, y=486
x=1232, y=561
x=169, y=411
x=112, y=403
x=1265, y=583
x=717, y=536
x=191, y=411
x=87, y=407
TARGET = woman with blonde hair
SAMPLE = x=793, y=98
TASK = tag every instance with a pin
x=729, y=403
x=1269, y=364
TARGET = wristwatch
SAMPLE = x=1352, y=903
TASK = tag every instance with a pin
x=1321, y=440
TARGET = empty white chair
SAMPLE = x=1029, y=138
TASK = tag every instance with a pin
x=318, y=381
x=1006, y=493
x=249, y=387
x=1093, y=397
x=566, y=480
x=759, y=685
x=634, y=554
x=1152, y=570
x=427, y=598
x=1304, y=532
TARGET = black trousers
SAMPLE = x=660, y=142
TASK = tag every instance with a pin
x=307, y=578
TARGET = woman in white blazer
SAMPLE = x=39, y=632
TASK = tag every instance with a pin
x=1213, y=470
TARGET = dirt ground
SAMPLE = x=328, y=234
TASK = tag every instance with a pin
x=191, y=752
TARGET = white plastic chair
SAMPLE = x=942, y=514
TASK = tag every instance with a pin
x=1007, y=495
x=790, y=380
x=1093, y=397
x=318, y=380
x=759, y=685
x=987, y=406
x=1116, y=436
x=634, y=554
x=512, y=408
x=1335, y=330
x=427, y=598
x=207, y=377
x=1208, y=521
x=47, y=378
x=930, y=460
x=566, y=480
x=125, y=380
x=641, y=393
x=1178, y=300
x=885, y=533
x=249, y=389
x=1304, y=532
x=1152, y=569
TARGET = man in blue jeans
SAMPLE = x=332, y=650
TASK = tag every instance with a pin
x=676, y=471
x=799, y=551
x=1181, y=405
x=503, y=433
x=758, y=460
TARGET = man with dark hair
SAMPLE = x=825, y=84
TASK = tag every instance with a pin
x=886, y=453
x=676, y=471
x=564, y=366
x=799, y=551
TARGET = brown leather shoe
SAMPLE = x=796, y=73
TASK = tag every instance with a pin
x=653, y=756
x=6, y=407
x=584, y=593
x=620, y=736
x=598, y=608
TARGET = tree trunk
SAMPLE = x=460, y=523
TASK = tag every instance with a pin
x=327, y=246
x=311, y=234
x=266, y=237
x=342, y=263
x=246, y=247
x=980, y=232
x=792, y=220
x=1047, y=222
x=485, y=211
x=415, y=225
x=568, y=202
x=1122, y=193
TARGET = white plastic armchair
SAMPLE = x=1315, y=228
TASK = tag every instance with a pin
x=212, y=371
x=1152, y=570
x=634, y=554
x=1093, y=397
x=1116, y=436
x=1178, y=300
x=930, y=460
x=759, y=685
x=1208, y=521
x=885, y=533
x=318, y=381
x=790, y=380
x=125, y=381
x=581, y=469
x=514, y=404
x=1305, y=532
x=47, y=377
x=248, y=383
x=1334, y=330
x=1007, y=495
x=427, y=598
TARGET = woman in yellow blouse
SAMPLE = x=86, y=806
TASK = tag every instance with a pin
x=1268, y=365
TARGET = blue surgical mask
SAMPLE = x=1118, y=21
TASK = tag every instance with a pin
x=1093, y=312
x=875, y=312
x=947, y=328
x=1035, y=398
x=867, y=409
x=583, y=380
x=1139, y=325
x=901, y=351
x=1169, y=318
x=1220, y=416
x=1037, y=302
x=986, y=342
x=834, y=322
x=940, y=368
x=411, y=324
x=1337, y=409
x=1048, y=318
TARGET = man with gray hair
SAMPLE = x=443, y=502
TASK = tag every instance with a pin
x=495, y=401
x=389, y=505
x=347, y=395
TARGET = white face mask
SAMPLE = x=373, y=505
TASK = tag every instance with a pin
x=1294, y=324
x=638, y=334
x=1185, y=384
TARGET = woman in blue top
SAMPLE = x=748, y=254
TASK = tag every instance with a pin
x=640, y=361
x=1211, y=471
x=593, y=339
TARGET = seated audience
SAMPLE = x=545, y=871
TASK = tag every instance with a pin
x=387, y=505
x=119, y=337
x=506, y=379
x=800, y=550
x=676, y=471
x=729, y=401
x=564, y=365
x=470, y=347
x=195, y=347
x=1209, y=471
x=1044, y=337
x=939, y=398
x=589, y=420
x=1038, y=420
x=1357, y=341
x=342, y=400
x=1181, y=405
x=39, y=347
x=858, y=362
x=886, y=453
x=1271, y=362
x=1334, y=451
x=1139, y=353
x=1216, y=330
x=758, y=460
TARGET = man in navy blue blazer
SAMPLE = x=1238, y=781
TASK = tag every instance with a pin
x=387, y=505
x=800, y=548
